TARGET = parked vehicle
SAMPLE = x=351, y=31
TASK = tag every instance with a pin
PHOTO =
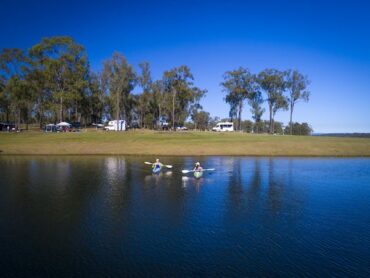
x=165, y=126
x=224, y=126
x=98, y=125
x=112, y=125
x=76, y=125
x=134, y=124
x=50, y=128
x=181, y=128
x=7, y=127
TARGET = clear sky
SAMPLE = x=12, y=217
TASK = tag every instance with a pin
x=327, y=40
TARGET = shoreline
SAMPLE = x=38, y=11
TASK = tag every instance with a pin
x=183, y=155
x=191, y=143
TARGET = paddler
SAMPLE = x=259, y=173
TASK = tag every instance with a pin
x=157, y=164
x=197, y=167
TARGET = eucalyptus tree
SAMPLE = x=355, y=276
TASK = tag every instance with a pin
x=239, y=85
x=272, y=81
x=178, y=84
x=3, y=101
x=200, y=119
x=65, y=67
x=119, y=79
x=159, y=98
x=16, y=95
x=297, y=85
x=256, y=109
x=95, y=99
x=145, y=82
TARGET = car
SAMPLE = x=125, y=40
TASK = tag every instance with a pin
x=165, y=126
x=181, y=128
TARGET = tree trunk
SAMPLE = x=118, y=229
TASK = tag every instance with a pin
x=76, y=114
x=159, y=114
x=117, y=110
x=61, y=109
x=291, y=118
x=273, y=124
x=270, y=127
x=40, y=118
x=173, y=108
x=240, y=115
x=142, y=118
x=19, y=119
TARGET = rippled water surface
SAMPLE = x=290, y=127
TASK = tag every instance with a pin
x=109, y=216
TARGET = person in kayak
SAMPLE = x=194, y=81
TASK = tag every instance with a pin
x=157, y=164
x=197, y=167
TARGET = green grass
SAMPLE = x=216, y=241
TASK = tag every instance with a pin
x=93, y=142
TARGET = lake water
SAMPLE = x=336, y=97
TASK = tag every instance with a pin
x=109, y=216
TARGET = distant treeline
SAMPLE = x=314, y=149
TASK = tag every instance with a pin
x=360, y=135
x=52, y=81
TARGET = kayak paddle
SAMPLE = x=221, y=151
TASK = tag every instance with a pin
x=190, y=171
x=150, y=163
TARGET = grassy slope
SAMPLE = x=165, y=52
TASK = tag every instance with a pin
x=180, y=143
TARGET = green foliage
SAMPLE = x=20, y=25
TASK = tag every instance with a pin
x=278, y=128
x=299, y=129
x=16, y=95
x=201, y=120
x=52, y=82
x=118, y=80
x=273, y=83
x=180, y=94
x=239, y=85
x=60, y=67
x=255, y=102
x=247, y=126
x=297, y=85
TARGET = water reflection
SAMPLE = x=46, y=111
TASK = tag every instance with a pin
x=192, y=181
x=89, y=216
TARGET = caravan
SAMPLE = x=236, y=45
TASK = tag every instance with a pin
x=112, y=125
x=224, y=126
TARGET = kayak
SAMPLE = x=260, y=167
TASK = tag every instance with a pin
x=198, y=174
x=157, y=169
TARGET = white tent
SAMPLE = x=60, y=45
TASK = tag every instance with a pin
x=64, y=124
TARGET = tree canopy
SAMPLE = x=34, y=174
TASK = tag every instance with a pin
x=52, y=81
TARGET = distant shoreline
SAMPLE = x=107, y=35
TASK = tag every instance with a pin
x=354, y=134
x=190, y=143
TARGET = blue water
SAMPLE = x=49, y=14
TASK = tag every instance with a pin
x=110, y=216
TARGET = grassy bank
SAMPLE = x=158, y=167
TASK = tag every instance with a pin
x=178, y=143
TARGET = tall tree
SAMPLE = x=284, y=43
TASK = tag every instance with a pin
x=159, y=98
x=256, y=109
x=201, y=119
x=16, y=94
x=145, y=82
x=272, y=81
x=182, y=93
x=239, y=86
x=119, y=80
x=64, y=66
x=96, y=98
x=297, y=85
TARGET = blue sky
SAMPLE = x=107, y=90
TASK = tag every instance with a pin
x=327, y=40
